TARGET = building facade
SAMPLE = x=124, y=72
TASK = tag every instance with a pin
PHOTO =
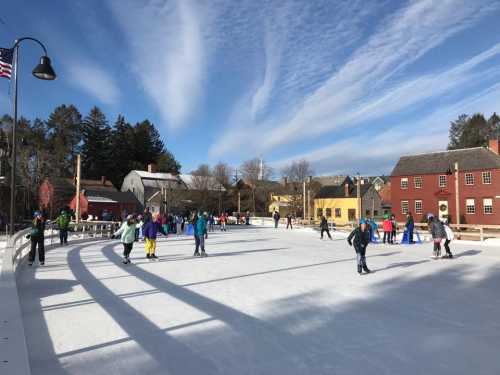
x=426, y=183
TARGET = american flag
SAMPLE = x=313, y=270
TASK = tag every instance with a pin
x=6, y=62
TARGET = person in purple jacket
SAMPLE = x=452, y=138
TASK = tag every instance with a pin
x=150, y=232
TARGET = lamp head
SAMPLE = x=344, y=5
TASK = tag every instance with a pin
x=44, y=69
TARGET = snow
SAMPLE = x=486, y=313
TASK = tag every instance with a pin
x=265, y=301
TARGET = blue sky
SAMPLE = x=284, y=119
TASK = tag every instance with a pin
x=348, y=85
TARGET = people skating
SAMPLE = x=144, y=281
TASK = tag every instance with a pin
x=222, y=222
x=410, y=225
x=394, y=229
x=211, y=223
x=147, y=216
x=62, y=222
x=127, y=233
x=200, y=230
x=37, y=238
x=449, y=237
x=178, y=222
x=360, y=238
x=387, y=227
x=324, y=227
x=289, y=221
x=276, y=217
x=151, y=230
x=437, y=231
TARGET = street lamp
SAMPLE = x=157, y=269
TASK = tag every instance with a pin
x=42, y=71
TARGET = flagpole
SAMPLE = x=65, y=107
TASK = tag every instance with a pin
x=14, y=146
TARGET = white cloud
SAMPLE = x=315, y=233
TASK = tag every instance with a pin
x=92, y=79
x=168, y=53
x=362, y=87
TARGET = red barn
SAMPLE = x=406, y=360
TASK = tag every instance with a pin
x=101, y=203
x=425, y=183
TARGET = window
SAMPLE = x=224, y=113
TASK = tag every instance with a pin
x=486, y=177
x=338, y=212
x=442, y=181
x=470, y=206
x=404, y=207
x=488, y=206
x=367, y=212
x=404, y=183
x=418, y=182
x=328, y=212
x=320, y=212
x=375, y=213
x=418, y=207
x=469, y=179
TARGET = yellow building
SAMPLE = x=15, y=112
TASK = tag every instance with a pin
x=280, y=203
x=337, y=203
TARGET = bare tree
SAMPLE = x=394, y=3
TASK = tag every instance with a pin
x=296, y=173
x=200, y=185
x=222, y=173
x=252, y=170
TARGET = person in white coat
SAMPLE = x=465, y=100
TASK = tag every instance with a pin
x=449, y=237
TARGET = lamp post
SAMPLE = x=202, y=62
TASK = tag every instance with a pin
x=42, y=71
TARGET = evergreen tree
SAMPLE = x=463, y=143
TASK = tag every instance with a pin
x=494, y=126
x=122, y=143
x=96, y=148
x=475, y=134
x=64, y=138
x=455, y=133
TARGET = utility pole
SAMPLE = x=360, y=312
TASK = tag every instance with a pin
x=457, y=197
x=304, y=200
x=358, y=197
x=78, y=177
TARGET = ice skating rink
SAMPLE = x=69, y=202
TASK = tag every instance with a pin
x=265, y=301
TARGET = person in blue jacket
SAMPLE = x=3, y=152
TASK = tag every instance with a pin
x=200, y=230
x=150, y=232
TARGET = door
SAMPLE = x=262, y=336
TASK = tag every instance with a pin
x=351, y=214
x=443, y=210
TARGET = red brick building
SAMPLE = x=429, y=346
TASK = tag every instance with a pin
x=425, y=183
x=106, y=205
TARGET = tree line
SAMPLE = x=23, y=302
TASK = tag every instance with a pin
x=49, y=147
x=473, y=131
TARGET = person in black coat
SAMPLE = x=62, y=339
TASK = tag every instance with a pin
x=324, y=227
x=360, y=238
x=37, y=237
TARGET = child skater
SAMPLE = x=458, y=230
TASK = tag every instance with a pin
x=150, y=230
x=127, y=232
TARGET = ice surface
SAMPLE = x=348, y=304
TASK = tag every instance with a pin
x=265, y=301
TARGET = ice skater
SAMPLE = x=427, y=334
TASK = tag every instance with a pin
x=151, y=230
x=410, y=226
x=276, y=218
x=324, y=227
x=127, y=232
x=63, y=224
x=360, y=238
x=200, y=230
x=437, y=231
x=387, y=226
x=449, y=237
x=289, y=221
x=37, y=238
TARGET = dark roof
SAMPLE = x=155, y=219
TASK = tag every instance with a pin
x=469, y=159
x=117, y=196
x=339, y=192
x=68, y=184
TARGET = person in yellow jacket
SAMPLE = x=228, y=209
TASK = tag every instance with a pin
x=150, y=232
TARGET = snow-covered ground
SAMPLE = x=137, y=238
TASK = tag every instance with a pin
x=265, y=301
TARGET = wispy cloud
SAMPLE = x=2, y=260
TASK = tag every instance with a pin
x=94, y=80
x=368, y=83
x=168, y=53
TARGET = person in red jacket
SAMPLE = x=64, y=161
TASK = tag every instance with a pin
x=387, y=226
x=222, y=222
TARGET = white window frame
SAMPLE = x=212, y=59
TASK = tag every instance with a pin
x=490, y=205
x=404, y=183
x=486, y=173
x=420, y=181
x=445, y=181
x=470, y=203
x=417, y=210
x=469, y=179
x=403, y=205
x=339, y=211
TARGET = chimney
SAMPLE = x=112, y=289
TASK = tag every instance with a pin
x=103, y=180
x=494, y=145
x=152, y=168
x=346, y=190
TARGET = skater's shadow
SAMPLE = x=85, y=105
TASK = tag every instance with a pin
x=467, y=253
x=402, y=265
